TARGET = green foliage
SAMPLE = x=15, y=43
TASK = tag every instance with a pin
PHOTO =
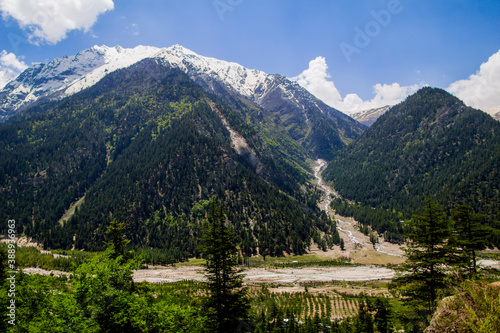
x=99, y=297
x=383, y=314
x=385, y=222
x=226, y=303
x=475, y=307
x=364, y=320
x=470, y=236
x=441, y=252
x=373, y=238
x=423, y=275
x=116, y=246
x=303, y=312
x=62, y=260
x=104, y=292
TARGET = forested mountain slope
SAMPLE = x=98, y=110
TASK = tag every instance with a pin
x=431, y=145
x=148, y=146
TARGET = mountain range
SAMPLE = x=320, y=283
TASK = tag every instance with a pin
x=369, y=117
x=317, y=126
x=148, y=135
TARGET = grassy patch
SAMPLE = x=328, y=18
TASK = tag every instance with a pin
x=192, y=262
x=57, y=260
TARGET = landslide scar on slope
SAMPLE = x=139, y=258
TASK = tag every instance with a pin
x=238, y=142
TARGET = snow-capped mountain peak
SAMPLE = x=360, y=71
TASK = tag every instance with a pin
x=68, y=75
x=113, y=58
x=241, y=79
x=282, y=100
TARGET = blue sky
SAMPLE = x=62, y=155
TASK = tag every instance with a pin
x=359, y=43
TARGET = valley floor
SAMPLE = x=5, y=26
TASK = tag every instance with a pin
x=272, y=275
x=358, y=250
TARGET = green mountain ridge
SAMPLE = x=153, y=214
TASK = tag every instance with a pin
x=431, y=145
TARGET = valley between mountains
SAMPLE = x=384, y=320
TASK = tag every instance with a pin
x=358, y=249
x=371, y=260
x=159, y=181
x=147, y=136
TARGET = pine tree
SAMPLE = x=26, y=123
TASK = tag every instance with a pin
x=382, y=315
x=470, y=236
x=116, y=247
x=422, y=276
x=373, y=238
x=364, y=320
x=227, y=302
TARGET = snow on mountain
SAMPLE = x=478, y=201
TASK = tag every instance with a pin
x=68, y=75
x=241, y=79
x=368, y=117
x=494, y=112
x=317, y=126
x=42, y=79
x=113, y=58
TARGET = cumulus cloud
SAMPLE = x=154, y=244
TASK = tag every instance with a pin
x=481, y=90
x=10, y=67
x=50, y=20
x=316, y=79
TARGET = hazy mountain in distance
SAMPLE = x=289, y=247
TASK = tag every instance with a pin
x=368, y=117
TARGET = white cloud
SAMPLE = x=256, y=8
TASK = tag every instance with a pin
x=10, y=67
x=481, y=90
x=316, y=80
x=50, y=20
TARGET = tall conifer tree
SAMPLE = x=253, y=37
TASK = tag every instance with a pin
x=226, y=303
x=470, y=236
x=423, y=274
